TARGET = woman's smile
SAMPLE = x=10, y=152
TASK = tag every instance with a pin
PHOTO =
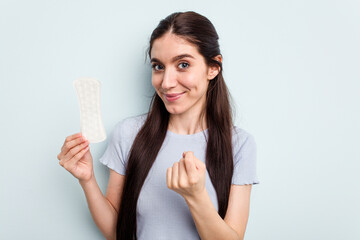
x=173, y=97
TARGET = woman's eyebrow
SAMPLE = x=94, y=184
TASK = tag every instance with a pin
x=174, y=58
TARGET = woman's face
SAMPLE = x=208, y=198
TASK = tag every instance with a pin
x=180, y=75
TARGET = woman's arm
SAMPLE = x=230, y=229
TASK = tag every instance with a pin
x=209, y=223
x=76, y=158
x=187, y=177
x=103, y=209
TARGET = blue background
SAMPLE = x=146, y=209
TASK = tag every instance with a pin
x=293, y=71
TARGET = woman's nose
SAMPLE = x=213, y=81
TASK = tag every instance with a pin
x=169, y=79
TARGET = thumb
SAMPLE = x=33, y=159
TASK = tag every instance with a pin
x=190, y=155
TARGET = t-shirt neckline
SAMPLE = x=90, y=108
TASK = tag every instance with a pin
x=195, y=135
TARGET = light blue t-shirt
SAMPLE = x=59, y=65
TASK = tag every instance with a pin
x=161, y=212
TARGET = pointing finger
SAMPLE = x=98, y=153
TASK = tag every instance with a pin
x=175, y=175
x=190, y=163
x=182, y=171
x=72, y=137
x=168, y=177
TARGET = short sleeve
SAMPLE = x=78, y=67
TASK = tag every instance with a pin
x=114, y=156
x=244, y=159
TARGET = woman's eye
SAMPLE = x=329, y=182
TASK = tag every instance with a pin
x=157, y=67
x=183, y=65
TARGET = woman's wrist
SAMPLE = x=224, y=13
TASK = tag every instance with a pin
x=199, y=198
x=89, y=181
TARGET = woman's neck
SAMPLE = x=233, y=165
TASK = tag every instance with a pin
x=186, y=124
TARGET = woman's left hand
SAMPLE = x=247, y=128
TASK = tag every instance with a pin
x=187, y=177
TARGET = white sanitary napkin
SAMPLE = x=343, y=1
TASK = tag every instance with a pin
x=91, y=124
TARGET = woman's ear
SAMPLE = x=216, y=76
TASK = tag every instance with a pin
x=214, y=70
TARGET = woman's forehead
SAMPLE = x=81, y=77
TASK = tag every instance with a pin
x=170, y=45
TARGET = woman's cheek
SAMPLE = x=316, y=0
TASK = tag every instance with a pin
x=155, y=82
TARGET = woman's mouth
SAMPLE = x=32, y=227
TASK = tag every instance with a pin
x=173, y=97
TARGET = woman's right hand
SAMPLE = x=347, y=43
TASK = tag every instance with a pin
x=76, y=158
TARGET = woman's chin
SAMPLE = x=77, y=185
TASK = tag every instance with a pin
x=174, y=110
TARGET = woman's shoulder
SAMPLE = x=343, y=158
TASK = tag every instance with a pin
x=130, y=126
x=240, y=132
x=240, y=137
x=133, y=121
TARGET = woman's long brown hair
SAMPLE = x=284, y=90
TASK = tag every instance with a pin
x=198, y=30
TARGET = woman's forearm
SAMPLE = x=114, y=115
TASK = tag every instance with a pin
x=103, y=213
x=208, y=222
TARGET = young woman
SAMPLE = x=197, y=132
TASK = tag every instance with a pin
x=182, y=170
